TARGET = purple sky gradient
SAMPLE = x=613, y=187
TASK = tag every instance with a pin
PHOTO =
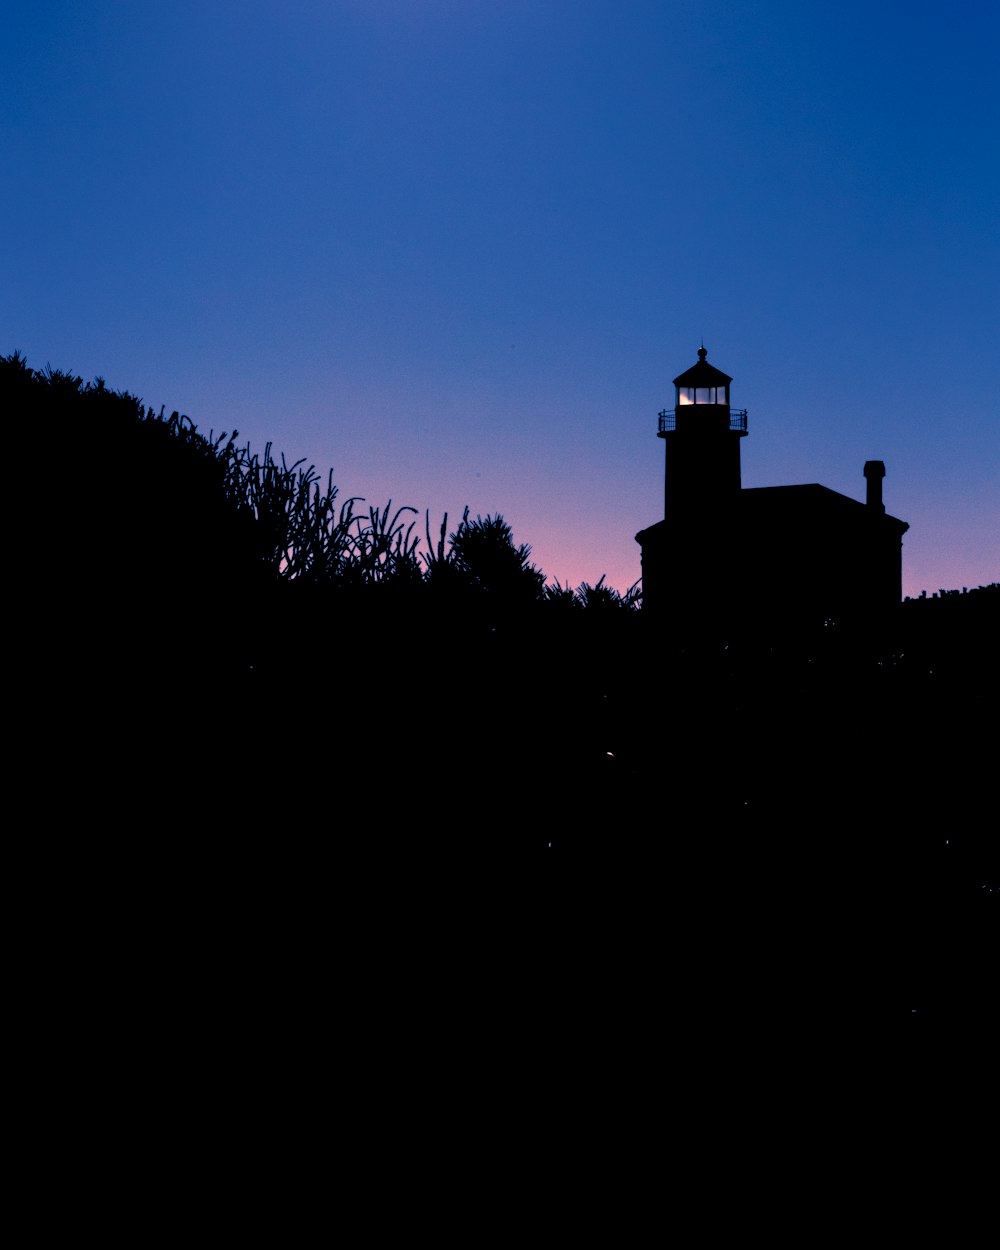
x=457, y=250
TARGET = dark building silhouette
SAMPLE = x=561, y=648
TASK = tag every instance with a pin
x=765, y=556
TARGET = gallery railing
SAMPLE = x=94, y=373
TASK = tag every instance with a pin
x=668, y=419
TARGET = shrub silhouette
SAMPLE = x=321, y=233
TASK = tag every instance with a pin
x=485, y=556
x=602, y=598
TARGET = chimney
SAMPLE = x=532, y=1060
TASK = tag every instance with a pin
x=874, y=473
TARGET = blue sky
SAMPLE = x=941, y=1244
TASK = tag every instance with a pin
x=457, y=250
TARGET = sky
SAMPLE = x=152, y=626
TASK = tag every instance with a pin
x=457, y=250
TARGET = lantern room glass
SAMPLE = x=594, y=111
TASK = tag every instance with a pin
x=701, y=395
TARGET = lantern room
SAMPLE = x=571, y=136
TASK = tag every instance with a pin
x=702, y=402
x=702, y=384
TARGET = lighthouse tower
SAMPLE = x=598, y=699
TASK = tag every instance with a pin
x=689, y=559
x=702, y=440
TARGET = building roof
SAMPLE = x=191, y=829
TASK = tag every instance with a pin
x=808, y=505
x=805, y=502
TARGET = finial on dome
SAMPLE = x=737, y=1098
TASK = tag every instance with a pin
x=702, y=352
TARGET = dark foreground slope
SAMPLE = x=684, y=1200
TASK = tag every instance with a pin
x=417, y=804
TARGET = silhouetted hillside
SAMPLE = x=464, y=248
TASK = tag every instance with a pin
x=249, y=688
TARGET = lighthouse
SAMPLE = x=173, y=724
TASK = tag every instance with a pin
x=725, y=560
